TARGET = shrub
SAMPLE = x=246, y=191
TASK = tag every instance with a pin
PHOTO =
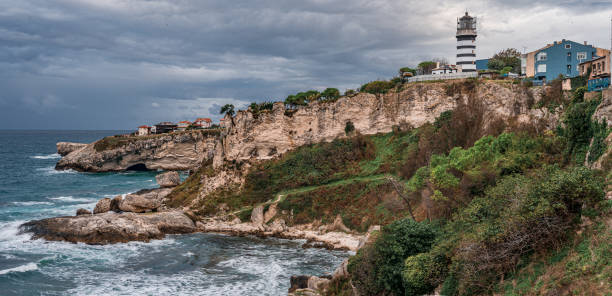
x=579, y=128
x=517, y=216
x=377, y=268
x=349, y=127
x=330, y=94
x=377, y=87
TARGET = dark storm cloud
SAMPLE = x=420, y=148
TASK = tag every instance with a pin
x=120, y=63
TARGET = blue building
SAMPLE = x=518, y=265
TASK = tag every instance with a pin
x=558, y=59
x=482, y=64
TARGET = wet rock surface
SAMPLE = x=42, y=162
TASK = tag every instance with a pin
x=109, y=228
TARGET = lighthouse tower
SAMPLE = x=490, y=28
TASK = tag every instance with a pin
x=466, y=43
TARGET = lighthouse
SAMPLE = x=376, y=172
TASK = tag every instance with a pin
x=466, y=43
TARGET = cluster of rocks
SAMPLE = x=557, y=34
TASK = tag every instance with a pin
x=138, y=216
x=143, y=201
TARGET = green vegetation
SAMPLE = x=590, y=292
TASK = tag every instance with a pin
x=407, y=70
x=426, y=67
x=499, y=207
x=378, y=267
x=378, y=86
x=507, y=60
x=330, y=94
x=583, y=134
x=258, y=108
x=227, y=109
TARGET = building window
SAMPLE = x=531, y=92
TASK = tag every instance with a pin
x=542, y=68
x=569, y=69
x=568, y=46
x=542, y=56
x=581, y=56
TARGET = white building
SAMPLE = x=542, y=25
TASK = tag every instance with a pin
x=444, y=69
x=144, y=130
x=466, y=43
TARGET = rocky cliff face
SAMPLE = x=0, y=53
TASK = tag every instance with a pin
x=176, y=151
x=270, y=134
x=64, y=148
x=273, y=133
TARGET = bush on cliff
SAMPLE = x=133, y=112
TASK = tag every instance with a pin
x=378, y=86
x=377, y=268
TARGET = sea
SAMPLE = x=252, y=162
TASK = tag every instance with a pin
x=193, y=264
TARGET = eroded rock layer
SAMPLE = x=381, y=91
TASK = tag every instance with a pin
x=175, y=151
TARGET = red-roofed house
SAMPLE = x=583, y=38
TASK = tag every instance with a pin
x=183, y=125
x=203, y=122
x=222, y=123
x=144, y=130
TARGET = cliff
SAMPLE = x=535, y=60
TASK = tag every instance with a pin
x=176, y=151
x=267, y=135
x=273, y=133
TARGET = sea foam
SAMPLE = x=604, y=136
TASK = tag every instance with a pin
x=49, y=156
x=22, y=268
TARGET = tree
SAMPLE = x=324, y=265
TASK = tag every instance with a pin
x=426, y=67
x=228, y=109
x=407, y=70
x=509, y=57
x=495, y=64
x=330, y=94
x=377, y=87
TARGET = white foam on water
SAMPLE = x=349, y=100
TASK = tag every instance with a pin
x=71, y=199
x=31, y=203
x=52, y=171
x=23, y=268
x=9, y=232
x=49, y=156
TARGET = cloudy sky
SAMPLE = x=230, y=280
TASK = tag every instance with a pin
x=116, y=64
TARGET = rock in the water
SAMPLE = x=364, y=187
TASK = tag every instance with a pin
x=298, y=282
x=103, y=206
x=81, y=211
x=144, y=200
x=114, y=205
x=64, y=148
x=257, y=216
x=168, y=179
x=108, y=228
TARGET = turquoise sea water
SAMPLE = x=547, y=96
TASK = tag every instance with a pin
x=195, y=264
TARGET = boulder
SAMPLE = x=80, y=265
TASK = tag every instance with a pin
x=257, y=216
x=108, y=228
x=318, y=284
x=270, y=213
x=168, y=179
x=103, y=206
x=81, y=211
x=114, y=205
x=145, y=200
x=298, y=282
x=277, y=226
x=64, y=148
